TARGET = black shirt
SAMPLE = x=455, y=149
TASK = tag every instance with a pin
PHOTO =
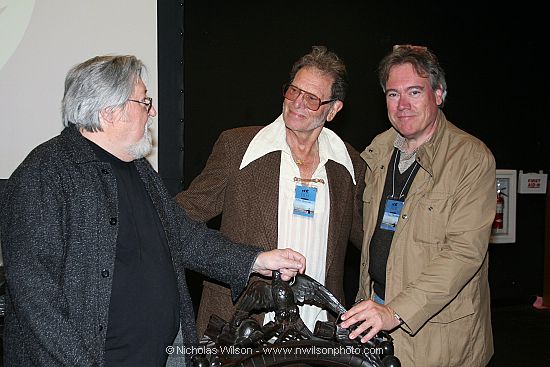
x=380, y=242
x=144, y=305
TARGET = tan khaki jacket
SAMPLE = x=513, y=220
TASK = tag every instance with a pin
x=436, y=276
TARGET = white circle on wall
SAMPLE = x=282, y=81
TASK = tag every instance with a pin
x=14, y=20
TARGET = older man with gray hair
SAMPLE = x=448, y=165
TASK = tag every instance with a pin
x=94, y=246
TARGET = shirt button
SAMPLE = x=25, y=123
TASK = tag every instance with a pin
x=404, y=216
x=112, y=221
x=104, y=171
x=105, y=273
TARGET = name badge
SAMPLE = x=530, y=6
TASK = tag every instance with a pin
x=392, y=211
x=304, y=200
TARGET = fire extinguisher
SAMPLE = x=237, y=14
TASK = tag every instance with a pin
x=499, y=216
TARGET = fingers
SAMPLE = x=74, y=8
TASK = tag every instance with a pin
x=372, y=332
x=354, y=314
x=371, y=326
x=291, y=261
x=369, y=317
x=288, y=261
x=287, y=274
x=297, y=258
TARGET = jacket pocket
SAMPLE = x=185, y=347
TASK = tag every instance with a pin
x=457, y=309
x=431, y=216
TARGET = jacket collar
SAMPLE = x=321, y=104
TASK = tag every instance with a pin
x=382, y=146
x=426, y=152
x=272, y=138
x=77, y=147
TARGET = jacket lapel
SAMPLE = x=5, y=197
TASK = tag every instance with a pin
x=266, y=192
x=338, y=178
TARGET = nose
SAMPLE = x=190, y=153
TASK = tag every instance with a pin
x=153, y=111
x=299, y=101
x=403, y=103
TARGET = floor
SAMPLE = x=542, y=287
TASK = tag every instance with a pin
x=521, y=335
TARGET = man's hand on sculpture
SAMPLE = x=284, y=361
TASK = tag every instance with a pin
x=371, y=317
x=287, y=261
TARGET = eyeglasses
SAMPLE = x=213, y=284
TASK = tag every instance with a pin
x=311, y=101
x=147, y=102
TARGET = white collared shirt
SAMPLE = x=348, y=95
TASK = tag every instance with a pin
x=304, y=234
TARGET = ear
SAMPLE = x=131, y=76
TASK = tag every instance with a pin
x=109, y=115
x=105, y=115
x=336, y=106
x=439, y=96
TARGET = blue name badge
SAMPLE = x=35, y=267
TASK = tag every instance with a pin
x=304, y=200
x=392, y=211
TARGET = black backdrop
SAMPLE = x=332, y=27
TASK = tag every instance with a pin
x=221, y=65
x=237, y=54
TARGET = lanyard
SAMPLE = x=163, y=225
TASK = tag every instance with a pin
x=406, y=182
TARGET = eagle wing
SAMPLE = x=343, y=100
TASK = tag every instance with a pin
x=256, y=297
x=308, y=290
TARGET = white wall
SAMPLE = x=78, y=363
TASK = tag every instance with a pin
x=41, y=40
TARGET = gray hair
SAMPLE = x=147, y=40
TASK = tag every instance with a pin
x=98, y=83
x=423, y=61
x=328, y=63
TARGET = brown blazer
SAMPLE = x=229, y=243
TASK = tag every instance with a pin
x=248, y=200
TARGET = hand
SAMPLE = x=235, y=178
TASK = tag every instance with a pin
x=287, y=261
x=372, y=315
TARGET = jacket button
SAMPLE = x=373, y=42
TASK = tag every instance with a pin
x=404, y=216
x=112, y=221
x=104, y=171
x=105, y=273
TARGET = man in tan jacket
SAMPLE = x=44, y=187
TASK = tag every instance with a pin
x=429, y=204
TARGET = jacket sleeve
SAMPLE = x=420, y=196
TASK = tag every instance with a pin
x=33, y=247
x=202, y=249
x=204, y=198
x=209, y=252
x=464, y=248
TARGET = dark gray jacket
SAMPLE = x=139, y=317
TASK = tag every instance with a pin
x=59, y=233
